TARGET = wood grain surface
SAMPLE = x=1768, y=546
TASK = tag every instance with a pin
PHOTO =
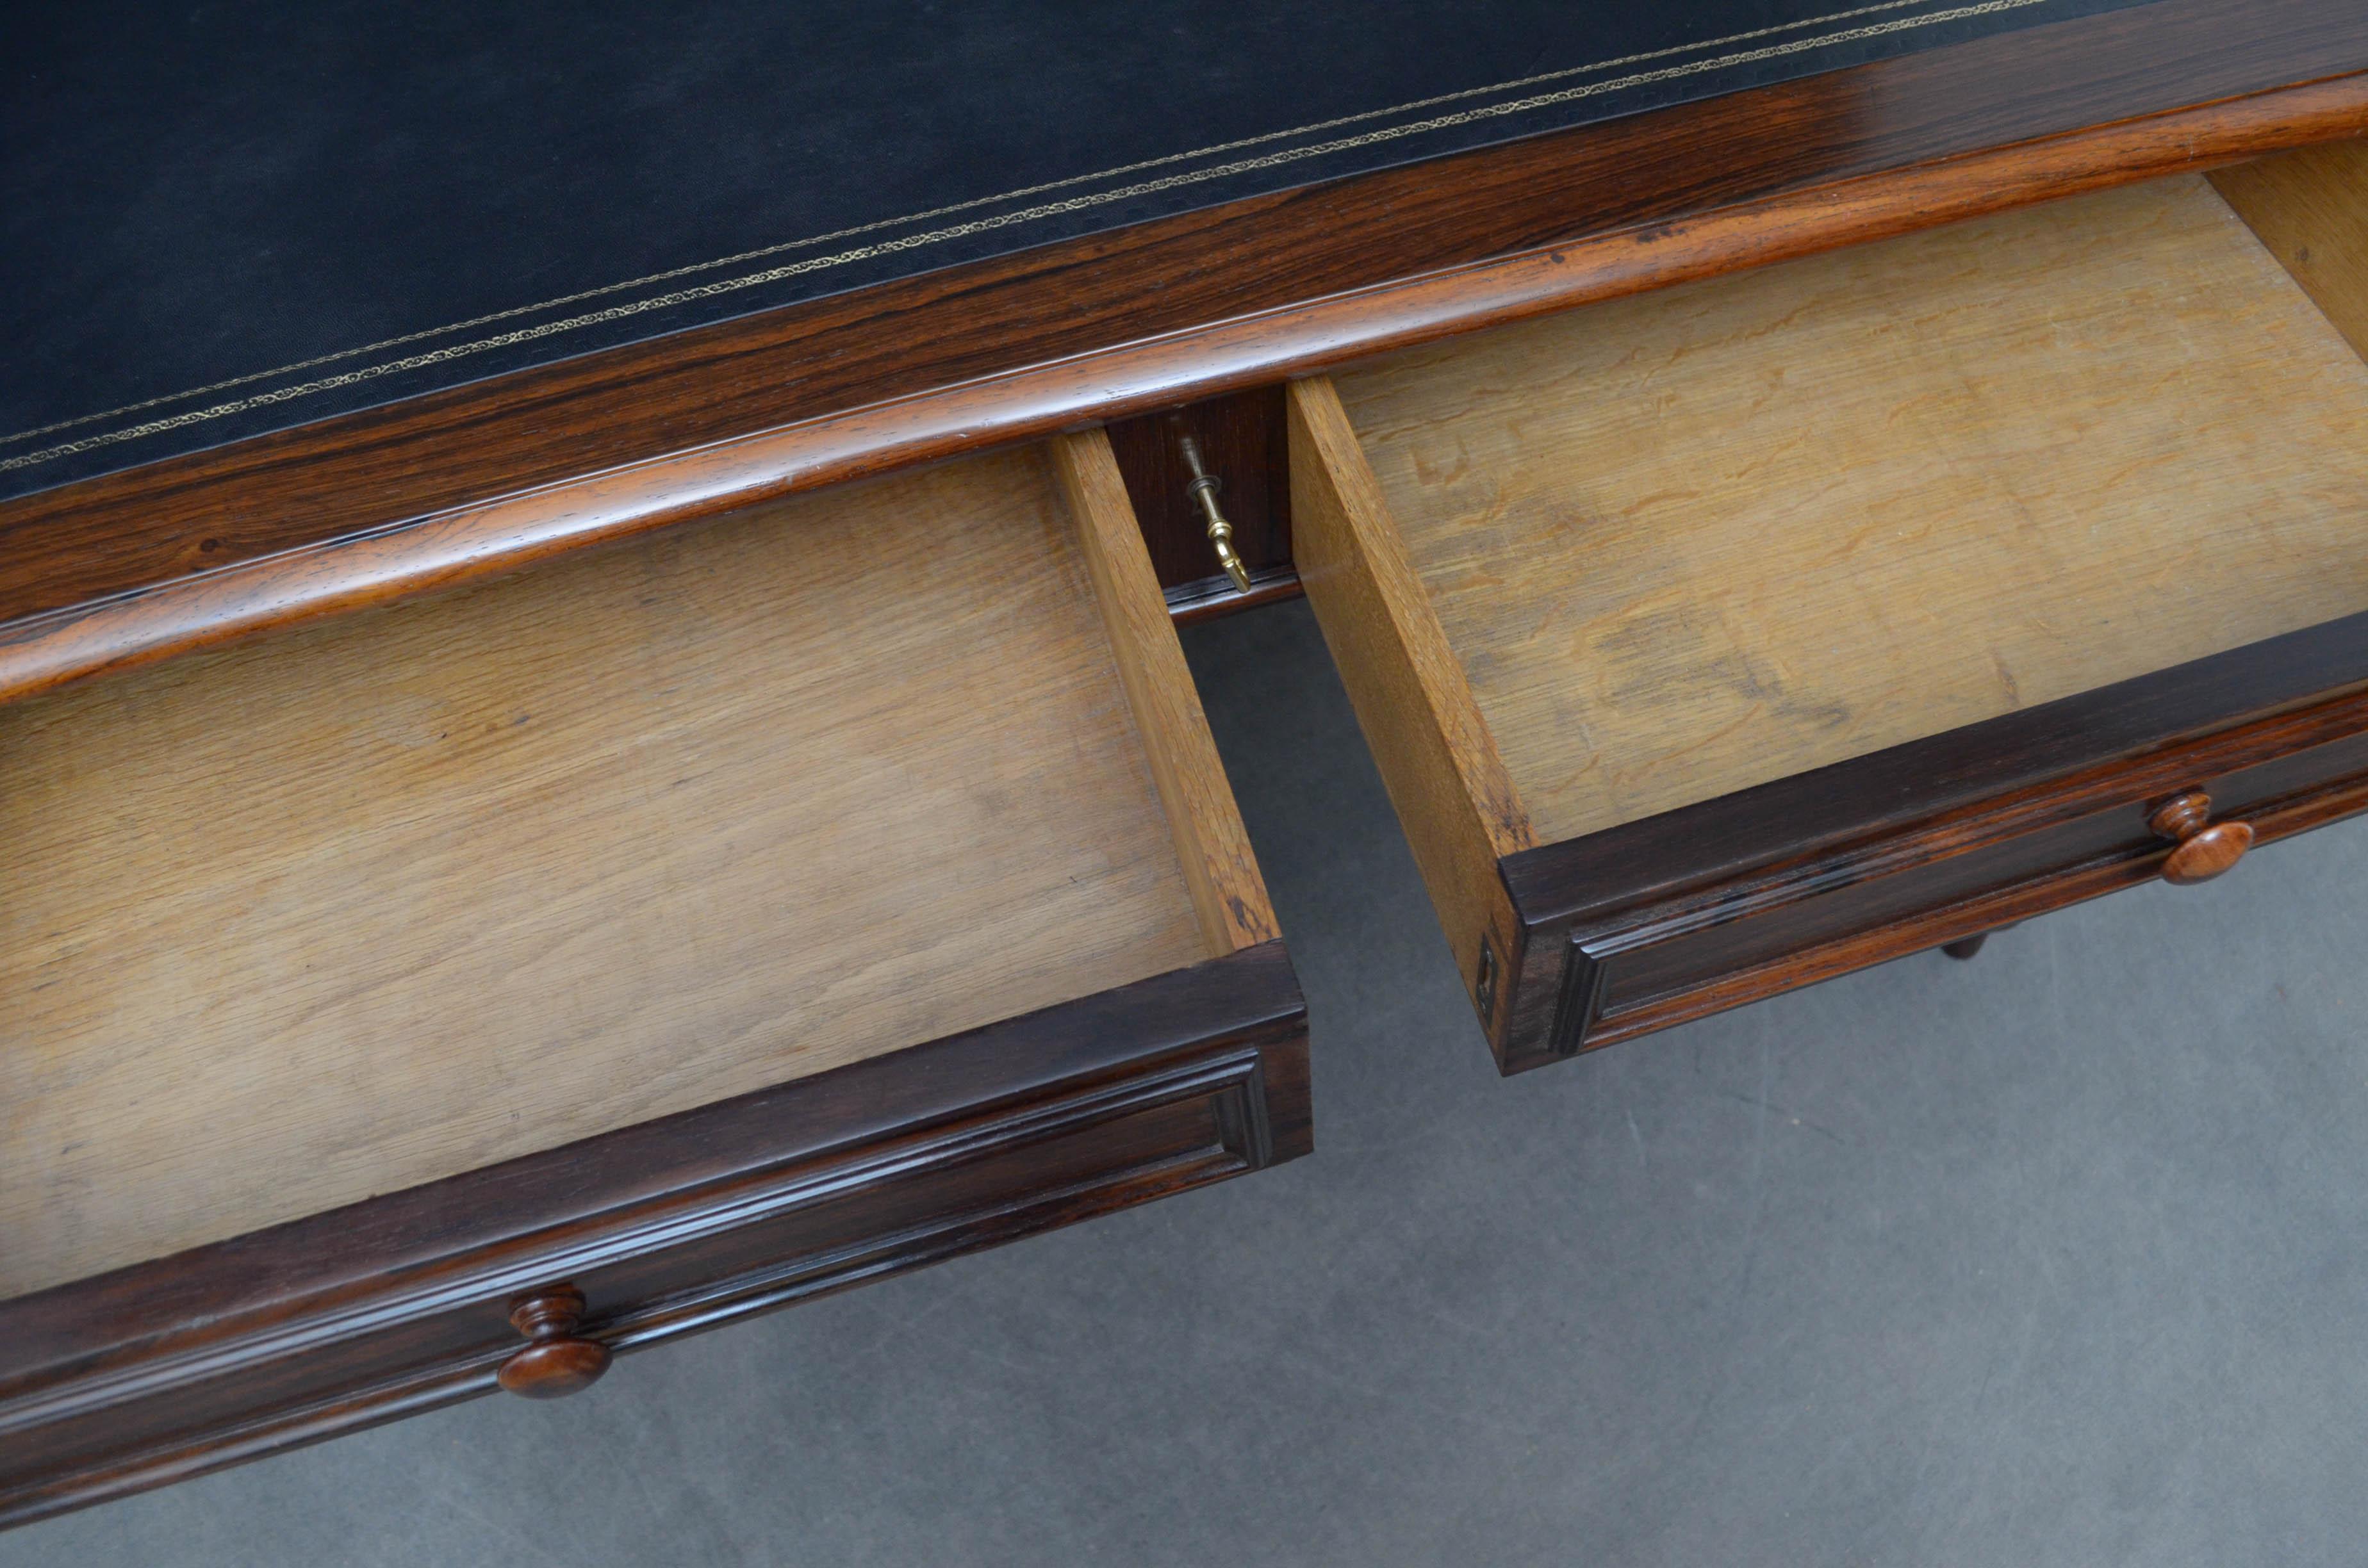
x=1692, y=541
x=1211, y=845
x=1429, y=738
x=369, y=903
x=2310, y=207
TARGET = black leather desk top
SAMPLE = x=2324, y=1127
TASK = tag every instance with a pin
x=227, y=218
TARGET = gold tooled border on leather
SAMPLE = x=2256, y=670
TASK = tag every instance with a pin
x=1527, y=102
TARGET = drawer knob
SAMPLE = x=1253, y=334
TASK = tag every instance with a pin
x=557, y=1361
x=2206, y=847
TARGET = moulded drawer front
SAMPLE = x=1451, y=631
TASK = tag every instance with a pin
x=402, y=1304
x=1800, y=918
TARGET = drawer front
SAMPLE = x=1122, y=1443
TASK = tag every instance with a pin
x=1964, y=871
x=361, y=1314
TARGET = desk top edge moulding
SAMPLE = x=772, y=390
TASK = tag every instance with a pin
x=1365, y=211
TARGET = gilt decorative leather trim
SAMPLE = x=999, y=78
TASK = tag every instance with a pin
x=250, y=217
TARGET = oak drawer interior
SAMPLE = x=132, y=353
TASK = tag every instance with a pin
x=403, y=894
x=1659, y=551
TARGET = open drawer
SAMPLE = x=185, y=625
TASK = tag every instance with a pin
x=601, y=953
x=1719, y=640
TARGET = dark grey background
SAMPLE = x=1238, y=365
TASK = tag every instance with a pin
x=2053, y=1258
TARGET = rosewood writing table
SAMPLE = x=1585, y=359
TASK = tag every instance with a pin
x=1785, y=484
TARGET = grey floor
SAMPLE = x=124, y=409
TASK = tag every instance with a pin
x=2054, y=1257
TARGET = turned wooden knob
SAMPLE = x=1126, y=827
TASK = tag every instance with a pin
x=556, y=1360
x=2206, y=847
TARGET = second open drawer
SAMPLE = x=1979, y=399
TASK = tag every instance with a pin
x=1719, y=640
